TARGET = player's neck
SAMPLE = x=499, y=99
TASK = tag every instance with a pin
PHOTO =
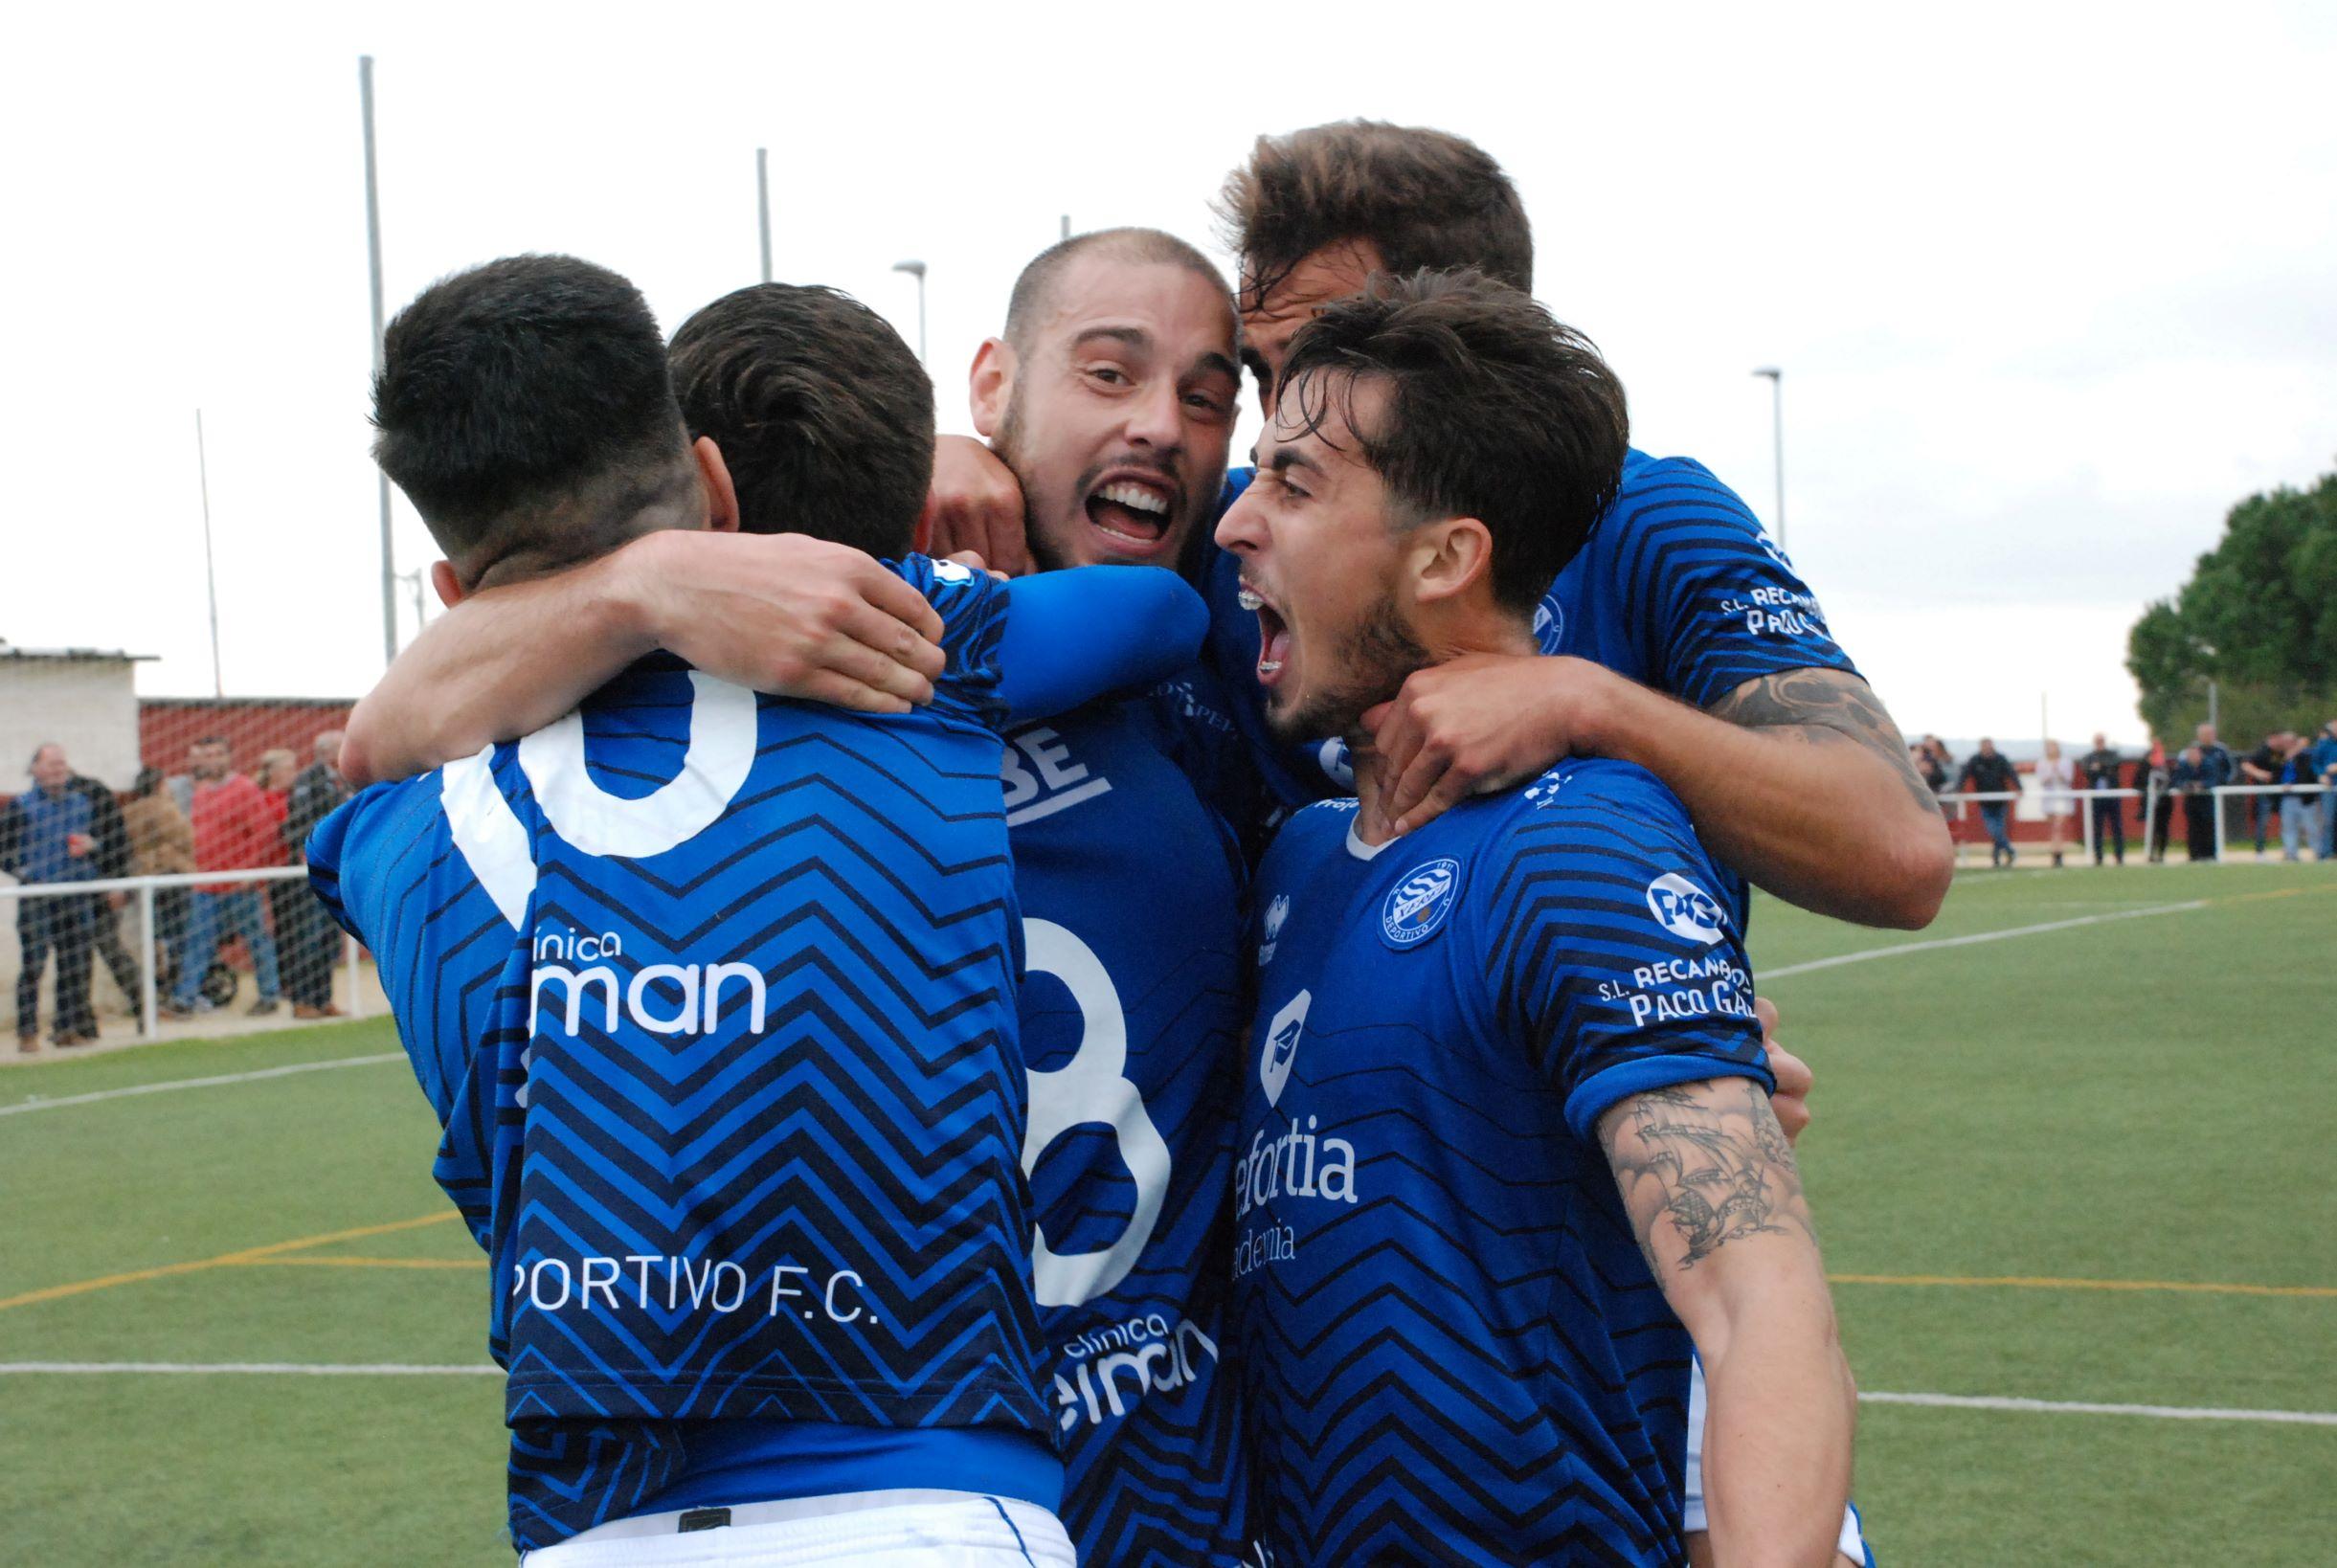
x=1371, y=822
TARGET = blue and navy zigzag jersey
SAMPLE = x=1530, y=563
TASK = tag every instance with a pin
x=1451, y=1349
x=714, y=996
x=1131, y=893
x=1678, y=589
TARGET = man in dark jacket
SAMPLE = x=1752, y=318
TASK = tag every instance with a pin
x=2101, y=766
x=1989, y=771
x=309, y=940
x=112, y=857
x=50, y=836
x=2206, y=767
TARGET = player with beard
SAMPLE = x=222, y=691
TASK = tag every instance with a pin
x=1111, y=394
x=1495, y=1053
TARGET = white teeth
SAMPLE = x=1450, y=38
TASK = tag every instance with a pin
x=1270, y=666
x=1248, y=600
x=1135, y=498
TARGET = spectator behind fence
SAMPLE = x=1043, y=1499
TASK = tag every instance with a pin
x=2297, y=805
x=1989, y=773
x=49, y=835
x=2101, y=768
x=2324, y=768
x=162, y=844
x=2211, y=769
x=310, y=939
x=235, y=828
x=2154, y=776
x=2262, y=766
x=112, y=857
x=2055, y=778
x=1929, y=766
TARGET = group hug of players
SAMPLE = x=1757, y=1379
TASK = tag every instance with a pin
x=1227, y=1040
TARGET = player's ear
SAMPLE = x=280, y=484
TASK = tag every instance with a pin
x=1449, y=559
x=449, y=586
x=721, y=495
x=990, y=385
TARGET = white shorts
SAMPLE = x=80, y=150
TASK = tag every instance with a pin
x=1852, y=1542
x=864, y=1529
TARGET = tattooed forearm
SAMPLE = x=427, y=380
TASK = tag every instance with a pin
x=1823, y=705
x=1700, y=1166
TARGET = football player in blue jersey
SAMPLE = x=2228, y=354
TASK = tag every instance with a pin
x=713, y=993
x=1506, y=1128
x=1110, y=393
x=1686, y=642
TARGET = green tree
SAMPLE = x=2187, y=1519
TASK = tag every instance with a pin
x=2258, y=618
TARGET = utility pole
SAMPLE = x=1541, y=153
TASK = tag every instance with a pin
x=373, y=243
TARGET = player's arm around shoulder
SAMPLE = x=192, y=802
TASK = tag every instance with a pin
x=1713, y=1196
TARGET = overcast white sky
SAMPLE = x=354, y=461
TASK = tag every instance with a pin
x=2053, y=287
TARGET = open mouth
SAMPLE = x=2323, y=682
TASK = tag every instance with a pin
x=1132, y=513
x=1273, y=634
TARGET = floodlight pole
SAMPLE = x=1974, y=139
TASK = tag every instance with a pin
x=373, y=243
x=762, y=202
x=1777, y=426
x=916, y=270
x=211, y=572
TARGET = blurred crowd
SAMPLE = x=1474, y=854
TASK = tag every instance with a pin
x=71, y=828
x=2286, y=767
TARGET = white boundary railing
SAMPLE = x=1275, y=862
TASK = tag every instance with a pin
x=146, y=887
x=2151, y=798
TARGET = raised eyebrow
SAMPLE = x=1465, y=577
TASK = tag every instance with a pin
x=1216, y=365
x=1131, y=337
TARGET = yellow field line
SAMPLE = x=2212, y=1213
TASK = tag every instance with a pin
x=2026, y=1283
x=357, y=1262
x=2275, y=893
x=225, y=1259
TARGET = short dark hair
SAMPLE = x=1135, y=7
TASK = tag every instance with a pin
x=823, y=412
x=1496, y=411
x=1423, y=198
x=1140, y=247
x=527, y=403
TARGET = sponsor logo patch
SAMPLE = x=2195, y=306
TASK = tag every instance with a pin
x=1282, y=1044
x=1684, y=910
x=1418, y=906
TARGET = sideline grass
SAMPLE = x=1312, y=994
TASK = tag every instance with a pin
x=2130, y=1101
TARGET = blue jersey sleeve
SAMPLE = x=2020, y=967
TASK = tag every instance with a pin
x=386, y=866
x=972, y=608
x=1073, y=636
x=1717, y=602
x=1609, y=954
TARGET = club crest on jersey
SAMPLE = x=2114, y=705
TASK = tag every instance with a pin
x=1277, y=913
x=1684, y=910
x=1418, y=906
x=1549, y=622
x=1282, y=1044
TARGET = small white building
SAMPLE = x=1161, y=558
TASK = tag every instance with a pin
x=83, y=699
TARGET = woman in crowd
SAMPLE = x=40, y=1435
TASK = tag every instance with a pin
x=2055, y=778
x=2154, y=776
x=162, y=843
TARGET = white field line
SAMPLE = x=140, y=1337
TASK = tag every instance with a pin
x=393, y=1369
x=1976, y=938
x=2078, y=1407
x=167, y=1085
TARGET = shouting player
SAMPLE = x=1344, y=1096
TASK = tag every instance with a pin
x=714, y=994
x=1507, y=1112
